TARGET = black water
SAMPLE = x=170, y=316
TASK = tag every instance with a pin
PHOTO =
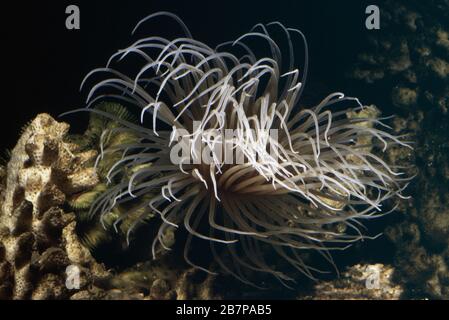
x=45, y=62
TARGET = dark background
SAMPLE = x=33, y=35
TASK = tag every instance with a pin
x=45, y=62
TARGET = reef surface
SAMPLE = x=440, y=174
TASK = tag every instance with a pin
x=411, y=67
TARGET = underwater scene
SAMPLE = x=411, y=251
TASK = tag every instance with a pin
x=205, y=150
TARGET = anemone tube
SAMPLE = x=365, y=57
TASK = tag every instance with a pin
x=288, y=193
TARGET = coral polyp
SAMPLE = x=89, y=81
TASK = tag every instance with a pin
x=306, y=187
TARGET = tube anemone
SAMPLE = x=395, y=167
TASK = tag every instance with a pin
x=308, y=188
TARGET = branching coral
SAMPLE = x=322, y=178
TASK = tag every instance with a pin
x=306, y=187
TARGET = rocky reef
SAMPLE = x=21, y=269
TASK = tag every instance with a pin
x=360, y=282
x=411, y=67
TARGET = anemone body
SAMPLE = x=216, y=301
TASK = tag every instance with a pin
x=307, y=189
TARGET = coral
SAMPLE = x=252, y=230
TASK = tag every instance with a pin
x=37, y=237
